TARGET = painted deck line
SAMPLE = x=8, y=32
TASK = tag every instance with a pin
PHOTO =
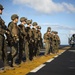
x=42, y=65
x=50, y=60
x=56, y=56
x=61, y=52
x=38, y=68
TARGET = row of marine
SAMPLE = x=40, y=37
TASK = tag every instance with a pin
x=52, y=42
x=23, y=42
x=18, y=43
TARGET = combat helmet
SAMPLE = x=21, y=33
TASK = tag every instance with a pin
x=34, y=24
x=1, y=7
x=56, y=32
x=52, y=31
x=14, y=16
x=23, y=19
x=38, y=27
x=29, y=21
x=48, y=29
x=73, y=35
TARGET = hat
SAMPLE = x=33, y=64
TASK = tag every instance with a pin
x=14, y=16
x=29, y=21
x=55, y=32
x=1, y=7
x=23, y=19
x=52, y=31
x=48, y=29
x=34, y=23
x=38, y=27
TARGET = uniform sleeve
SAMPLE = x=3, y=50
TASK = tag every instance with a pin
x=30, y=33
x=44, y=36
x=10, y=26
x=2, y=29
x=22, y=30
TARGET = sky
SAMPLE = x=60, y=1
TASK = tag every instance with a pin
x=57, y=14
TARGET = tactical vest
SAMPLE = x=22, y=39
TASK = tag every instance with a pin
x=13, y=28
x=22, y=31
x=2, y=27
x=29, y=33
x=35, y=33
x=47, y=37
x=39, y=35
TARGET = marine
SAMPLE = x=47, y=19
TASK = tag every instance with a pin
x=40, y=42
x=57, y=41
x=35, y=38
x=47, y=41
x=12, y=26
x=3, y=31
x=22, y=38
x=53, y=42
x=28, y=41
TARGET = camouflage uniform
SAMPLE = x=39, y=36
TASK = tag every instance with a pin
x=12, y=26
x=28, y=41
x=40, y=44
x=22, y=37
x=57, y=41
x=47, y=41
x=3, y=48
x=53, y=42
x=35, y=38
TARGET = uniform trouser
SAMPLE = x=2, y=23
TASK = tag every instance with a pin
x=30, y=50
x=5, y=53
x=14, y=51
x=35, y=47
x=21, y=49
x=57, y=46
x=38, y=51
x=27, y=50
x=52, y=47
x=47, y=47
x=2, y=51
x=20, y=56
x=39, y=48
x=9, y=56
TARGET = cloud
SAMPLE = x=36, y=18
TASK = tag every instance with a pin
x=65, y=27
x=58, y=26
x=46, y=6
x=72, y=31
x=69, y=7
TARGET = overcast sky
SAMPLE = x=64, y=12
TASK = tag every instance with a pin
x=58, y=14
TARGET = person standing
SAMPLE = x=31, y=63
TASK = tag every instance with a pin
x=3, y=31
x=12, y=26
x=47, y=41
x=39, y=39
x=57, y=42
x=53, y=42
x=35, y=38
x=28, y=42
x=22, y=37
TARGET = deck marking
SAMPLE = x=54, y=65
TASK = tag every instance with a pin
x=38, y=68
x=50, y=60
